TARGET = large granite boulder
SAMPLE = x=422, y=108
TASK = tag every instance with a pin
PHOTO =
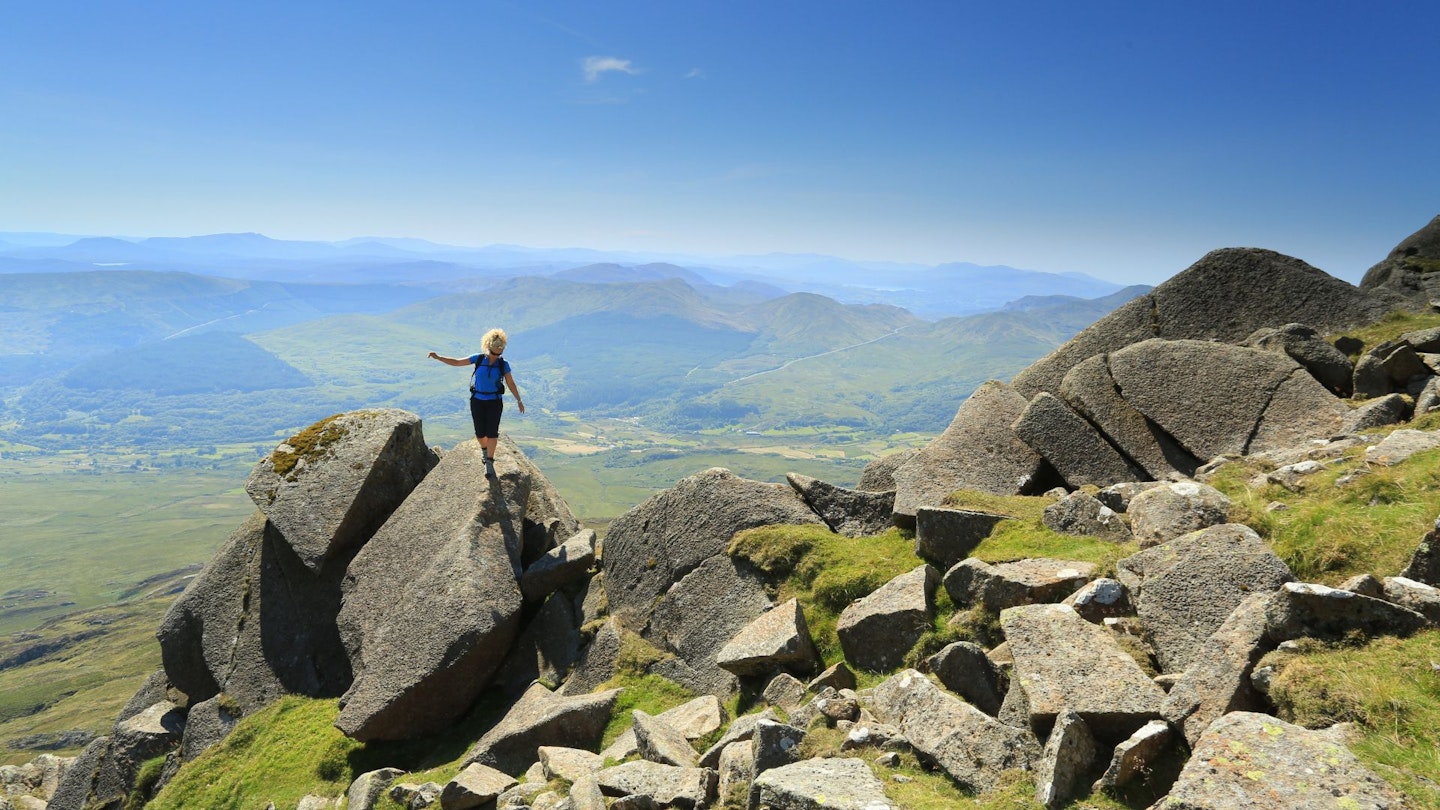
x=543, y=718
x=826, y=783
x=1083, y=515
x=257, y=623
x=1090, y=389
x=979, y=450
x=330, y=486
x=1304, y=345
x=1064, y=662
x=659, y=542
x=431, y=603
x=559, y=567
x=969, y=745
x=1225, y=296
x=1077, y=451
x=879, y=475
x=1308, y=610
x=876, y=631
x=667, y=786
x=966, y=670
x=851, y=512
x=1216, y=399
x=1186, y=588
x=1257, y=761
x=105, y=771
x=1409, y=271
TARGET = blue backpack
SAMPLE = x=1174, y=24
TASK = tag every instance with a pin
x=499, y=364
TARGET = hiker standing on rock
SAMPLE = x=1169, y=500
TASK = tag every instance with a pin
x=487, y=389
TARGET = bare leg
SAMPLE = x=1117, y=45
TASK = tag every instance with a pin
x=488, y=446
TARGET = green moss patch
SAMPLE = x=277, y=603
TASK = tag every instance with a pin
x=308, y=443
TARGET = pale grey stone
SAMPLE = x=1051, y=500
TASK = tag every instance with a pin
x=1300, y=609
x=542, y=718
x=1218, y=682
x=1166, y=512
x=559, y=567
x=661, y=742
x=969, y=745
x=1401, y=445
x=569, y=764
x=1022, y=582
x=1077, y=451
x=369, y=786
x=1299, y=770
x=1068, y=755
x=667, y=785
x=1135, y=755
x=827, y=783
x=475, y=786
x=1083, y=515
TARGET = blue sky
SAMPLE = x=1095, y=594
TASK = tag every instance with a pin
x=1121, y=139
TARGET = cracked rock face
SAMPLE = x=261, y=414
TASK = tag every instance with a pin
x=256, y=624
x=329, y=487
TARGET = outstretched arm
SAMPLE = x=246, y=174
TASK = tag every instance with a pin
x=451, y=361
x=510, y=381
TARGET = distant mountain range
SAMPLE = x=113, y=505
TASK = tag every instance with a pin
x=930, y=292
x=120, y=356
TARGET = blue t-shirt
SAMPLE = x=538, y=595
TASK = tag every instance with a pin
x=485, y=382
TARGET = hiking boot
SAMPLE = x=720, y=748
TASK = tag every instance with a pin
x=490, y=467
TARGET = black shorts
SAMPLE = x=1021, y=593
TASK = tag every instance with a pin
x=485, y=413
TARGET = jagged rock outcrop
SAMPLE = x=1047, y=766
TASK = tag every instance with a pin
x=329, y=487
x=1225, y=296
x=778, y=639
x=1091, y=390
x=828, y=783
x=1411, y=272
x=1304, y=345
x=432, y=602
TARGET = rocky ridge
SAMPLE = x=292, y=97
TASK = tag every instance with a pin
x=398, y=580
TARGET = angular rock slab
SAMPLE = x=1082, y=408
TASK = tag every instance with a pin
x=563, y=565
x=698, y=615
x=1401, y=445
x=1166, y=512
x=1189, y=586
x=1212, y=397
x=1077, y=451
x=1022, y=582
x=665, y=785
x=654, y=545
x=827, y=783
x=329, y=487
x=1064, y=662
x=972, y=747
x=256, y=624
x=1092, y=392
x=658, y=741
x=944, y=537
x=693, y=719
x=1218, y=681
x=1304, y=345
x=475, y=786
x=539, y=718
x=1257, y=761
x=966, y=670
x=1303, y=609
x=851, y=512
x=1068, y=755
x=876, y=631
x=1135, y=756
x=978, y=450
x=431, y=604
x=779, y=639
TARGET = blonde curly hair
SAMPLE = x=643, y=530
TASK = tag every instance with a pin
x=494, y=340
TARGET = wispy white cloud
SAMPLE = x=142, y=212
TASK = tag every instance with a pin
x=695, y=73
x=597, y=66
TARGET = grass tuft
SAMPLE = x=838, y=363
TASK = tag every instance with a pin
x=1390, y=688
x=308, y=443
